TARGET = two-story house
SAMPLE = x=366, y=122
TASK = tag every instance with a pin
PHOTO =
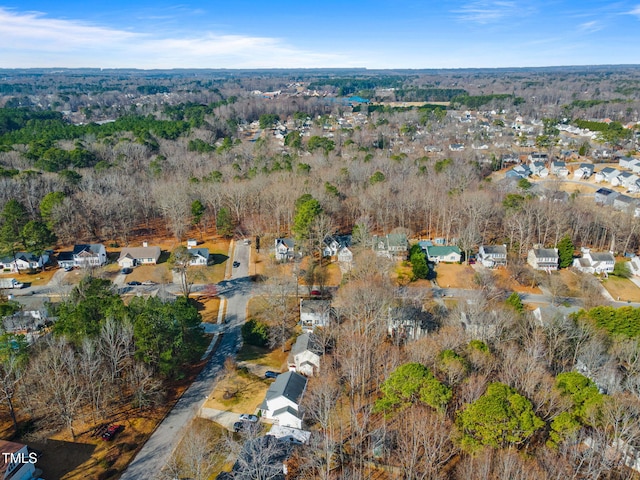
x=305, y=355
x=284, y=249
x=392, y=245
x=282, y=400
x=595, y=262
x=543, y=258
x=492, y=256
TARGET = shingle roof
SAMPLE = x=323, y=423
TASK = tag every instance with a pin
x=495, y=249
x=306, y=341
x=290, y=385
x=140, y=252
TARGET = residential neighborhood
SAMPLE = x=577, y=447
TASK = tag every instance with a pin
x=320, y=274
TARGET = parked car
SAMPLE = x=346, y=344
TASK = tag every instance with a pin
x=126, y=270
x=315, y=292
x=246, y=417
x=112, y=431
x=134, y=283
x=271, y=374
x=236, y=264
x=68, y=268
x=238, y=427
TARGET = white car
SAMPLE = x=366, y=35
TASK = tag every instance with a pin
x=245, y=417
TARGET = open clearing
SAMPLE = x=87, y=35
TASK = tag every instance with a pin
x=507, y=282
x=622, y=289
x=454, y=275
x=244, y=390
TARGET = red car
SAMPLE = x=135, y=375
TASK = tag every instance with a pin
x=315, y=292
x=112, y=431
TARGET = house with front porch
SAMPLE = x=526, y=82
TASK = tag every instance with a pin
x=23, y=261
x=92, y=255
x=133, y=256
x=199, y=257
x=492, y=256
x=315, y=313
x=543, y=258
x=284, y=249
x=595, y=262
x=445, y=254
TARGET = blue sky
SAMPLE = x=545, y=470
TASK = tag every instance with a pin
x=285, y=34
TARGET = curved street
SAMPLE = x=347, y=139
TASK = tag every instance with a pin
x=156, y=452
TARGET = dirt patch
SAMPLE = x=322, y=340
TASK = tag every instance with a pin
x=453, y=275
x=241, y=392
x=570, y=280
x=622, y=289
x=509, y=283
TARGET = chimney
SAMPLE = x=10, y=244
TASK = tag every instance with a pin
x=145, y=244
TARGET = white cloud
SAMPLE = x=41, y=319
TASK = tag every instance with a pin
x=590, y=27
x=32, y=39
x=635, y=11
x=487, y=11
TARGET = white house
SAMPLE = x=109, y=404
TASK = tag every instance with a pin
x=559, y=169
x=282, y=400
x=314, y=313
x=133, y=256
x=584, y=171
x=543, y=258
x=199, y=257
x=94, y=255
x=445, y=253
x=595, y=262
x=289, y=434
x=330, y=246
x=305, y=355
x=634, y=266
x=284, y=248
x=18, y=462
x=625, y=203
x=627, y=162
x=607, y=174
x=493, y=255
x=23, y=261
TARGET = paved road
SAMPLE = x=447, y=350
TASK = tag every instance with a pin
x=155, y=454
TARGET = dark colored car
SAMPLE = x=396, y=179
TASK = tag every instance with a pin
x=315, y=292
x=271, y=374
x=112, y=431
x=126, y=270
x=236, y=264
x=238, y=427
x=134, y=283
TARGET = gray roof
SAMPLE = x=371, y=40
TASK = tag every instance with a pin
x=602, y=257
x=24, y=256
x=140, y=252
x=290, y=385
x=290, y=410
x=286, y=241
x=203, y=252
x=495, y=249
x=93, y=249
x=307, y=341
x=315, y=306
x=545, y=253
